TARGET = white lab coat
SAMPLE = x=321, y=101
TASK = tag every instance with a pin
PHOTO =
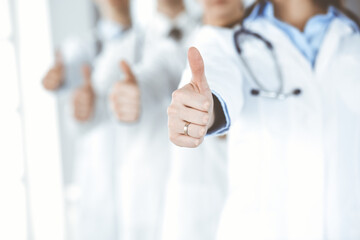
x=98, y=162
x=160, y=27
x=91, y=196
x=196, y=191
x=144, y=146
x=75, y=52
x=293, y=165
x=197, y=188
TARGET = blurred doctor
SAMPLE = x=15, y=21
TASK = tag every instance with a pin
x=198, y=185
x=288, y=89
x=139, y=101
x=80, y=76
x=171, y=20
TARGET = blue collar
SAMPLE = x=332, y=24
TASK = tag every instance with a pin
x=108, y=30
x=309, y=41
x=266, y=10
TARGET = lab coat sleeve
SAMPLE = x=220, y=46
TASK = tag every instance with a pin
x=225, y=122
x=223, y=73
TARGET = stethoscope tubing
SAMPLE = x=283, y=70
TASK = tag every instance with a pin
x=262, y=91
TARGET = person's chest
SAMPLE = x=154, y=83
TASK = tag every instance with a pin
x=332, y=84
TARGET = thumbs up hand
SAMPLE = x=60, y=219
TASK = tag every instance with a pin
x=54, y=78
x=125, y=96
x=84, y=97
x=191, y=110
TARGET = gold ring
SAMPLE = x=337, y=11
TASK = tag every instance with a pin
x=186, y=128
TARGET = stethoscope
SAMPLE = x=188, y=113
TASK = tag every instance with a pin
x=261, y=91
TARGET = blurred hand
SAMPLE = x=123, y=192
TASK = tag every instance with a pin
x=191, y=104
x=54, y=78
x=84, y=97
x=125, y=96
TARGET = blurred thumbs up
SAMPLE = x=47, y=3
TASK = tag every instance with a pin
x=84, y=97
x=54, y=78
x=125, y=96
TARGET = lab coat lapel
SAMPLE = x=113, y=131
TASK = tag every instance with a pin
x=330, y=45
x=281, y=42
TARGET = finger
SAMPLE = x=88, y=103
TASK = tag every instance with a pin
x=129, y=75
x=191, y=99
x=127, y=108
x=83, y=111
x=127, y=100
x=86, y=73
x=58, y=58
x=193, y=116
x=54, y=74
x=82, y=116
x=196, y=63
x=185, y=141
x=83, y=97
x=128, y=92
x=50, y=84
x=195, y=131
x=125, y=117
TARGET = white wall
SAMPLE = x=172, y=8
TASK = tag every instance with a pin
x=43, y=178
x=70, y=17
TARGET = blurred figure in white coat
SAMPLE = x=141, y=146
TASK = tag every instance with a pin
x=81, y=78
x=198, y=185
x=139, y=102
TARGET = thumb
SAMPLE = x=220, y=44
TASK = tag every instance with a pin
x=196, y=63
x=58, y=58
x=86, y=73
x=129, y=75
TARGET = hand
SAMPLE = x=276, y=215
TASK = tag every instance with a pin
x=191, y=104
x=125, y=96
x=84, y=97
x=55, y=76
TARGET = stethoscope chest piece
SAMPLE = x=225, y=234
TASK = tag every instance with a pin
x=275, y=95
x=261, y=90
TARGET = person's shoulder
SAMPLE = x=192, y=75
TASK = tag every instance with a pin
x=211, y=37
x=349, y=43
x=78, y=46
x=131, y=35
x=211, y=34
x=349, y=49
x=215, y=40
x=127, y=47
